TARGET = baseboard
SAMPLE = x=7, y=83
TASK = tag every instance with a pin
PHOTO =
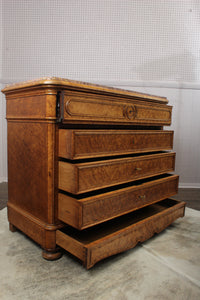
x=3, y=179
x=189, y=185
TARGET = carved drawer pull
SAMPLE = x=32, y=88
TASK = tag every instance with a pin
x=130, y=112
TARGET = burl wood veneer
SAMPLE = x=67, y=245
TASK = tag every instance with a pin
x=88, y=167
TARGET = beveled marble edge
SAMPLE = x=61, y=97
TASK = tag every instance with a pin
x=56, y=81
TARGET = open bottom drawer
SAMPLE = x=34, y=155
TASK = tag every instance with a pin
x=123, y=233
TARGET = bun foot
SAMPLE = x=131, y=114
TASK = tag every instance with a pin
x=12, y=228
x=52, y=255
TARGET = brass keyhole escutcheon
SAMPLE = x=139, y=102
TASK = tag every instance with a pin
x=138, y=169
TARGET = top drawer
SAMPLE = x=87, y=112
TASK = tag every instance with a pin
x=101, y=109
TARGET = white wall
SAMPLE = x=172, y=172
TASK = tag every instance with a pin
x=152, y=46
x=107, y=40
x=3, y=139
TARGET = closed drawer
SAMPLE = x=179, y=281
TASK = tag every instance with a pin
x=95, y=109
x=89, y=211
x=120, y=234
x=78, y=144
x=79, y=178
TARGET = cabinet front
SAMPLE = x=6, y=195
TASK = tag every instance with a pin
x=81, y=144
x=83, y=177
x=83, y=212
x=93, y=108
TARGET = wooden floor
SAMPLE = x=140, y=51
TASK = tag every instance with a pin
x=3, y=194
x=190, y=196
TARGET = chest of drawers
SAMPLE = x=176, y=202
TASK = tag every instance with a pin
x=88, y=167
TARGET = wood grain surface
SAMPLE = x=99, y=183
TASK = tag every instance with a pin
x=91, y=176
x=76, y=153
x=88, y=211
x=120, y=234
x=79, y=144
x=101, y=109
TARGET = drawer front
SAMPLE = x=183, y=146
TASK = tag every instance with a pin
x=78, y=144
x=85, y=177
x=92, y=210
x=120, y=234
x=93, y=108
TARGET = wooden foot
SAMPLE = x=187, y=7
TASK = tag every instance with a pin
x=52, y=255
x=12, y=228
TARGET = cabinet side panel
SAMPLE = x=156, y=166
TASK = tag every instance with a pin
x=29, y=177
